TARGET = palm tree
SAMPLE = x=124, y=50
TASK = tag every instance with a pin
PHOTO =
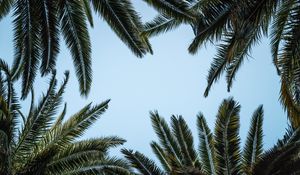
x=219, y=153
x=38, y=143
x=39, y=23
x=237, y=26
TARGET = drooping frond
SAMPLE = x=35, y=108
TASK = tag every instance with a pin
x=174, y=9
x=206, y=148
x=160, y=24
x=120, y=20
x=289, y=104
x=278, y=26
x=27, y=41
x=143, y=164
x=254, y=144
x=212, y=23
x=49, y=35
x=163, y=23
x=88, y=11
x=227, y=139
x=5, y=7
x=219, y=63
x=75, y=32
x=136, y=21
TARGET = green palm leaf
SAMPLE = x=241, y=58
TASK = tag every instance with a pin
x=120, y=20
x=5, y=7
x=254, y=145
x=27, y=41
x=75, y=32
x=160, y=24
x=142, y=163
x=175, y=9
x=282, y=158
x=185, y=140
x=167, y=140
x=49, y=35
x=226, y=138
x=206, y=149
x=88, y=11
x=162, y=156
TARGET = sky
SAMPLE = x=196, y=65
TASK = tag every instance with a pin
x=170, y=81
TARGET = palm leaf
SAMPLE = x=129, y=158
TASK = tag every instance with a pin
x=75, y=32
x=162, y=156
x=273, y=159
x=175, y=9
x=206, y=148
x=143, y=164
x=88, y=12
x=49, y=35
x=253, y=148
x=5, y=7
x=27, y=41
x=226, y=138
x=167, y=140
x=160, y=24
x=120, y=21
x=185, y=141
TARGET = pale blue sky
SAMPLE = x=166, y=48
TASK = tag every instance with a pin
x=171, y=81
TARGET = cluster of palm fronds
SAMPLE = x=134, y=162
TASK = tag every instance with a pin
x=39, y=23
x=40, y=143
x=237, y=25
x=219, y=153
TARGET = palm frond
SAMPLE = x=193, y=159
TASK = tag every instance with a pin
x=206, y=148
x=27, y=41
x=75, y=32
x=285, y=153
x=254, y=145
x=174, y=9
x=278, y=27
x=82, y=152
x=167, y=140
x=219, y=63
x=227, y=139
x=160, y=24
x=143, y=164
x=5, y=7
x=120, y=21
x=88, y=12
x=49, y=35
x=162, y=156
x=185, y=141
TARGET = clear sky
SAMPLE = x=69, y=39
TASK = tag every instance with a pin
x=171, y=81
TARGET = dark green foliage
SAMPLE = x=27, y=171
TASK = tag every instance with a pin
x=219, y=153
x=237, y=26
x=254, y=144
x=40, y=144
x=39, y=23
x=142, y=163
x=227, y=140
